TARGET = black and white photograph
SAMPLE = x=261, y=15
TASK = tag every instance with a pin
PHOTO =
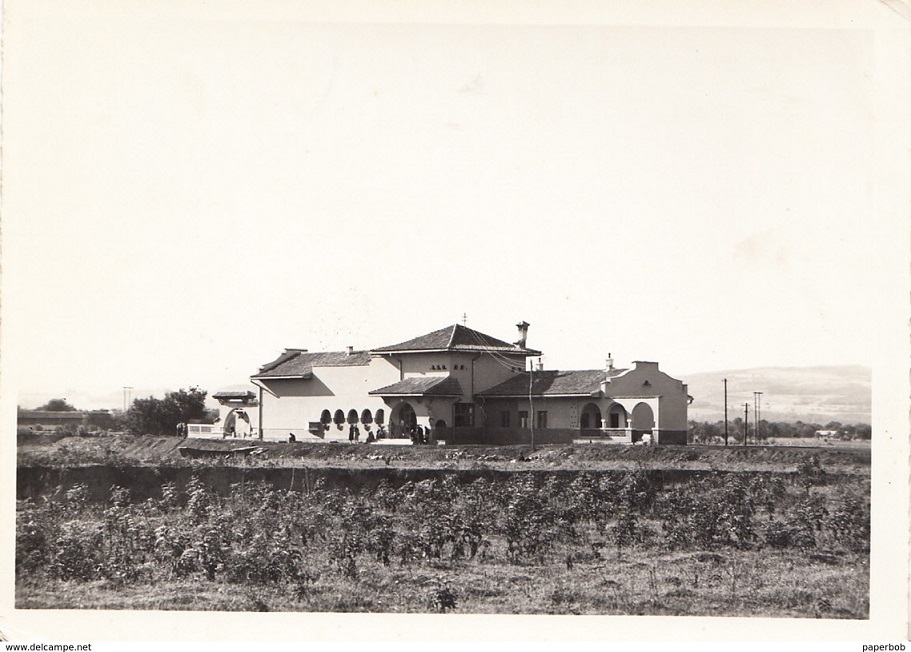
x=428, y=315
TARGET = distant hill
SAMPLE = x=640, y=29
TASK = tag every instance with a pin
x=810, y=394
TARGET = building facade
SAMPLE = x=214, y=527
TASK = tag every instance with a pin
x=459, y=385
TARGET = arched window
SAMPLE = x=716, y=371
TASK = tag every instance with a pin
x=381, y=416
x=590, y=417
x=617, y=417
x=352, y=416
x=339, y=417
x=325, y=417
x=366, y=417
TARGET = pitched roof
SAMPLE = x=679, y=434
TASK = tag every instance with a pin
x=455, y=338
x=72, y=415
x=422, y=386
x=300, y=364
x=229, y=395
x=553, y=383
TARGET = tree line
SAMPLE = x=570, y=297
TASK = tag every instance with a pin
x=145, y=416
x=705, y=432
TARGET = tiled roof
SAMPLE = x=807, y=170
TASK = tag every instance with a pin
x=301, y=363
x=51, y=414
x=553, y=383
x=229, y=395
x=422, y=386
x=455, y=338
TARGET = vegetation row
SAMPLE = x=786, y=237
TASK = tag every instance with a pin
x=289, y=540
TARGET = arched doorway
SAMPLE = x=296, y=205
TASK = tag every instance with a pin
x=237, y=423
x=643, y=420
x=590, y=417
x=404, y=420
x=643, y=417
x=616, y=416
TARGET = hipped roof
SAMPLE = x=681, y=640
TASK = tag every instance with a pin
x=553, y=383
x=455, y=338
x=297, y=363
x=422, y=386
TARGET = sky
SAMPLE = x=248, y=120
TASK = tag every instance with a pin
x=190, y=188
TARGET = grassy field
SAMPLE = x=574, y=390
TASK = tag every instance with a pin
x=593, y=530
x=772, y=584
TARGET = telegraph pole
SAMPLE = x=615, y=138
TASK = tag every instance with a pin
x=531, y=405
x=758, y=397
x=746, y=422
x=725, y=411
x=260, y=413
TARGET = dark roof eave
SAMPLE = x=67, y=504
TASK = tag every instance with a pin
x=456, y=349
x=414, y=394
x=541, y=395
x=283, y=376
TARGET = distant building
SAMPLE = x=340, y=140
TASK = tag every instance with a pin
x=238, y=415
x=462, y=386
x=49, y=419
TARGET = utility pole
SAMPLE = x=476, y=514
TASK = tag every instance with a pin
x=746, y=422
x=725, y=411
x=758, y=401
x=531, y=405
x=260, y=413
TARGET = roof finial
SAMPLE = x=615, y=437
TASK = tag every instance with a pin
x=464, y=319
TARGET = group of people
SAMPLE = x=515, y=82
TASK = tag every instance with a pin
x=419, y=435
x=354, y=434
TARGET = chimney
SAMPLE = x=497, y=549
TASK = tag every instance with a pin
x=523, y=333
x=350, y=350
x=540, y=365
x=609, y=362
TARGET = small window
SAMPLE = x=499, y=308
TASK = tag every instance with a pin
x=542, y=418
x=463, y=415
x=380, y=416
x=504, y=419
x=523, y=418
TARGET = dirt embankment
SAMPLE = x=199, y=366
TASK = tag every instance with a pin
x=156, y=451
x=143, y=464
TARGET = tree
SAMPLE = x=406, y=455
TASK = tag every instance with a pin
x=160, y=416
x=57, y=405
x=737, y=431
x=100, y=420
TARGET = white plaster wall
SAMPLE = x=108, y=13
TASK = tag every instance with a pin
x=302, y=401
x=672, y=410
